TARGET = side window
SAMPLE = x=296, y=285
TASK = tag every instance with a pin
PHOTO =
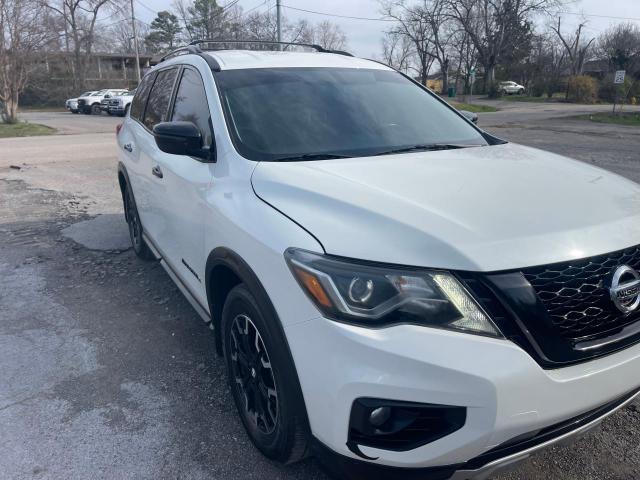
x=140, y=99
x=191, y=104
x=159, y=98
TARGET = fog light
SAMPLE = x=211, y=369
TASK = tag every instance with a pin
x=400, y=426
x=379, y=416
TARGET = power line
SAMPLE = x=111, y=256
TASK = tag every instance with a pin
x=598, y=16
x=371, y=19
x=256, y=7
x=148, y=8
x=339, y=16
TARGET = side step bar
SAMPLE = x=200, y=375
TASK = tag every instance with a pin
x=179, y=283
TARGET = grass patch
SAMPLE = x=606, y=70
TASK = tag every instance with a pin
x=24, y=129
x=473, y=107
x=625, y=118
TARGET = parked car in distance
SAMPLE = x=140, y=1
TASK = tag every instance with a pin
x=393, y=289
x=104, y=103
x=72, y=103
x=509, y=88
x=120, y=104
x=91, y=104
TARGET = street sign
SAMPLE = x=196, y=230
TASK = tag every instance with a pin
x=619, y=77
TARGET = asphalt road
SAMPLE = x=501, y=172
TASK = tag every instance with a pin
x=107, y=372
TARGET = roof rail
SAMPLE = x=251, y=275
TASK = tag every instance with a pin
x=195, y=50
x=314, y=46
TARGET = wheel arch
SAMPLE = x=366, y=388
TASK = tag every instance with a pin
x=225, y=269
x=123, y=181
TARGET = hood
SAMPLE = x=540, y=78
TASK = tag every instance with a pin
x=478, y=209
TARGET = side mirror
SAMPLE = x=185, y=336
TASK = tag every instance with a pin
x=471, y=116
x=180, y=138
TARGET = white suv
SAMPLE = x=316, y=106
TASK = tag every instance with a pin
x=508, y=88
x=393, y=289
x=91, y=104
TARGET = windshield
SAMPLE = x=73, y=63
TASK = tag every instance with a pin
x=86, y=94
x=99, y=92
x=290, y=112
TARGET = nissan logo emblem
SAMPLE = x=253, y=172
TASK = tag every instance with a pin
x=625, y=289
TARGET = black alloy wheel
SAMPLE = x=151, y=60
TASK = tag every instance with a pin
x=252, y=375
x=135, y=228
x=262, y=376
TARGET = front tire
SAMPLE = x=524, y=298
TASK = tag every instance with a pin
x=95, y=109
x=262, y=378
x=140, y=247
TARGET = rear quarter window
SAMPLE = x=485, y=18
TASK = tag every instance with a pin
x=159, y=98
x=142, y=93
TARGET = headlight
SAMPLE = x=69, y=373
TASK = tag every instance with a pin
x=375, y=296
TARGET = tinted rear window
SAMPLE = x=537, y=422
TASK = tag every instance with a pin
x=159, y=98
x=142, y=93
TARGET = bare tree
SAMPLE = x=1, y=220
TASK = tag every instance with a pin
x=80, y=18
x=620, y=45
x=464, y=56
x=397, y=51
x=496, y=27
x=22, y=33
x=329, y=35
x=119, y=37
x=575, y=46
x=414, y=25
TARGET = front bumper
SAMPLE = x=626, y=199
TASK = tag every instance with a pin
x=116, y=110
x=506, y=393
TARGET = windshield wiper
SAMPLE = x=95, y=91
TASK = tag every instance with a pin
x=428, y=147
x=310, y=156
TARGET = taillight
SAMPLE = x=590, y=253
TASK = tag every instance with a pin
x=118, y=128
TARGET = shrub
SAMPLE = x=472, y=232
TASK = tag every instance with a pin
x=610, y=92
x=583, y=89
x=538, y=89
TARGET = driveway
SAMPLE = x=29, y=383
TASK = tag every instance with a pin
x=108, y=373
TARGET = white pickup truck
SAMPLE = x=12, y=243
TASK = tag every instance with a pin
x=91, y=104
x=120, y=104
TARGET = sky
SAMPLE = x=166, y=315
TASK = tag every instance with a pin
x=364, y=36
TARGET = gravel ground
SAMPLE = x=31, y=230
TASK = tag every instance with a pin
x=107, y=371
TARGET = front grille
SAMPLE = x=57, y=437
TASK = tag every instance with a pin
x=114, y=103
x=576, y=297
x=81, y=103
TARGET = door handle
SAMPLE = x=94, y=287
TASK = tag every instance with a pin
x=128, y=147
x=157, y=171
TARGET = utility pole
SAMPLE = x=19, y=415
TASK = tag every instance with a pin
x=135, y=42
x=279, y=20
x=66, y=28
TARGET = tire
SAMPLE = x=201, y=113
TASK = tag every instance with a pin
x=95, y=109
x=262, y=378
x=140, y=247
x=74, y=111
